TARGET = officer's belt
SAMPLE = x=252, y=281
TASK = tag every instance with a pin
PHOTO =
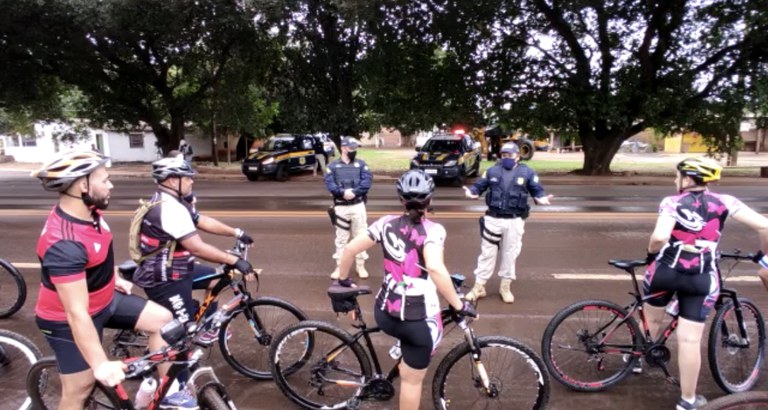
x=505, y=215
x=343, y=202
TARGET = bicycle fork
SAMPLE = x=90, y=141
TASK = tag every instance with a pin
x=475, y=351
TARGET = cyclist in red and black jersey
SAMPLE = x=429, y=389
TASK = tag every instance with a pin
x=407, y=306
x=77, y=297
x=681, y=254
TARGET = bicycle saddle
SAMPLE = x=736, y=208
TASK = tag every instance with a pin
x=627, y=263
x=127, y=269
x=337, y=291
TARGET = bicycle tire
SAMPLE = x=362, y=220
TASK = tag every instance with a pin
x=211, y=399
x=736, y=369
x=752, y=400
x=11, y=301
x=528, y=385
x=44, y=389
x=20, y=355
x=305, y=347
x=567, y=354
x=270, y=311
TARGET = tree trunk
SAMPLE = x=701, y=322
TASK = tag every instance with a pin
x=214, y=142
x=177, y=132
x=599, y=152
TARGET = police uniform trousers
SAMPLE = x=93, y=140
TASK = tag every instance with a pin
x=357, y=216
x=511, y=232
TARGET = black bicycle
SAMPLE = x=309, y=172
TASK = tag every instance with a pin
x=321, y=366
x=593, y=344
x=183, y=351
x=245, y=322
x=17, y=355
x=13, y=289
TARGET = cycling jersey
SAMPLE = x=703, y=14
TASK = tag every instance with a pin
x=172, y=219
x=407, y=293
x=71, y=249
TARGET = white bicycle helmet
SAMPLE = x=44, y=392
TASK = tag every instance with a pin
x=58, y=175
x=165, y=168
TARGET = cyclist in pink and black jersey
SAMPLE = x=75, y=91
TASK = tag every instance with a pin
x=681, y=253
x=407, y=306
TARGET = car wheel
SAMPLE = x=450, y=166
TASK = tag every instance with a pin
x=252, y=177
x=281, y=174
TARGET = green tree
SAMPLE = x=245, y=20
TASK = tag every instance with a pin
x=604, y=69
x=135, y=61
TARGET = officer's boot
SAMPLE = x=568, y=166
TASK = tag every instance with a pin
x=335, y=273
x=360, y=267
x=505, y=293
x=477, y=292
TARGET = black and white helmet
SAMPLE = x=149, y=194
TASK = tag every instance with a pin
x=165, y=168
x=415, y=189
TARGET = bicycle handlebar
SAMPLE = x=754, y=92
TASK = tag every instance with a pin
x=737, y=255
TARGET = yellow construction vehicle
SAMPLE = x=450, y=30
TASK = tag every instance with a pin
x=492, y=138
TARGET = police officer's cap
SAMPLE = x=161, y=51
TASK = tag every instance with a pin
x=510, y=148
x=349, y=142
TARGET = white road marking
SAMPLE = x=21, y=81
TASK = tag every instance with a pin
x=601, y=276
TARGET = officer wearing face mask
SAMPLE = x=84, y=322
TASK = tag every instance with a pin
x=348, y=179
x=509, y=185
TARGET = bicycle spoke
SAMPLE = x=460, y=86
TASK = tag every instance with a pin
x=735, y=360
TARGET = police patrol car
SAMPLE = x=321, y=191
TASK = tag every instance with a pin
x=281, y=155
x=449, y=157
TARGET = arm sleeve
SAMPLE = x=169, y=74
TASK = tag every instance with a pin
x=733, y=204
x=176, y=220
x=65, y=261
x=330, y=183
x=376, y=230
x=366, y=179
x=534, y=186
x=480, y=185
x=668, y=207
x=436, y=235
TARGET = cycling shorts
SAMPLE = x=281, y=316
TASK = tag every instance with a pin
x=122, y=313
x=176, y=296
x=418, y=338
x=696, y=293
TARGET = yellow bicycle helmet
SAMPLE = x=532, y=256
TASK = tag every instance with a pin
x=60, y=173
x=701, y=170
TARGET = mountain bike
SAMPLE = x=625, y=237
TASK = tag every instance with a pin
x=13, y=289
x=183, y=352
x=593, y=344
x=321, y=366
x=17, y=355
x=751, y=400
x=245, y=322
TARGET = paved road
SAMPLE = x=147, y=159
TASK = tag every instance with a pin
x=295, y=243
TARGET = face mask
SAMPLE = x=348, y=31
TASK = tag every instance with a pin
x=351, y=155
x=508, y=163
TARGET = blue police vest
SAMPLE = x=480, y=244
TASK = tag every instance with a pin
x=507, y=198
x=346, y=175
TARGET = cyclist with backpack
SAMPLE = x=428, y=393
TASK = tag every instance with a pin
x=80, y=293
x=407, y=306
x=165, y=232
x=681, y=255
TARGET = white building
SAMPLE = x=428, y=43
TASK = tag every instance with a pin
x=134, y=146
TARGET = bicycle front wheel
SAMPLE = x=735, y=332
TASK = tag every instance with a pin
x=753, y=400
x=211, y=399
x=319, y=366
x=517, y=378
x=735, y=361
x=17, y=355
x=44, y=389
x=245, y=337
x=587, y=348
x=13, y=289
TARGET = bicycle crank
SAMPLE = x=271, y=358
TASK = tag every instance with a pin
x=658, y=355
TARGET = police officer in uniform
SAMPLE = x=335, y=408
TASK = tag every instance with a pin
x=348, y=179
x=509, y=184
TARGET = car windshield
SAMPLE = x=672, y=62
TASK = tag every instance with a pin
x=434, y=145
x=278, y=144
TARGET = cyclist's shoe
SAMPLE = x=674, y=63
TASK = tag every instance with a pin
x=360, y=268
x=477, y=292
x=182, y=399
x=505, y=293
x=335, y=273
x=210, y=337
x=684, y=405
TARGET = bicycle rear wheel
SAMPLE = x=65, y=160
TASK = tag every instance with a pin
x=736, y=367
x=245, y=337
x=319, y=366
x=518, y=377
x=17, y=355
x=44, y=389
x=13, y=289
x=753, y=400
x=585, y=349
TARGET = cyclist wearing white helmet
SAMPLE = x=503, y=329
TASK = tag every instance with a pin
x=170, y=242
x=681, y=256
x=77, y=297
x=407, y=305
